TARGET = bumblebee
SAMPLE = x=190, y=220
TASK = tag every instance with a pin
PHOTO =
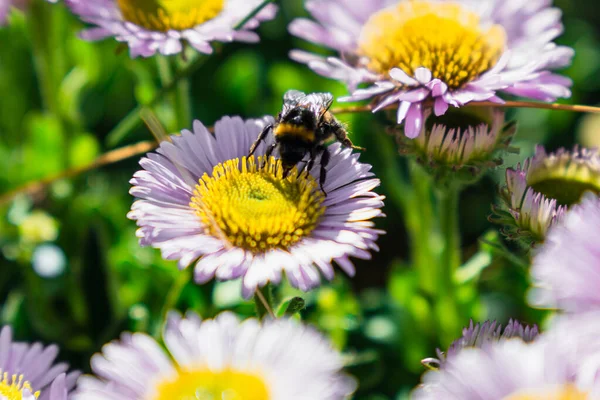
x=302, y=127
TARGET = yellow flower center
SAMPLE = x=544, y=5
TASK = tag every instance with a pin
x=165, y=15
x=12, y=389
x=565, y=178
x=253, y=207
x=445, y=38
x=208, y=385
x=566, y=392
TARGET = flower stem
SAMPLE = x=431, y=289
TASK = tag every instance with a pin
x=175, y=291
x=580, y=108
x=40, y=25
x=414, y=197
x=180, y=100
x=183, y=100
x=448, y=307
x=263, y=299
x=426, y=251
x=448, y=209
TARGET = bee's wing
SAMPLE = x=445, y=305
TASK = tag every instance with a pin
x=292, y=99
x=319, y=103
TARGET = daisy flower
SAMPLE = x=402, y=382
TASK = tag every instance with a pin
x=423, y=54
x=566, y=267
x=538, y=193
x=29, y=371
x=557, y=365
x=150, y=26
x=450, y=152
x=202, y=201
x=507, y=370
x=480, y=335
x=578, y=337
x=219, y=359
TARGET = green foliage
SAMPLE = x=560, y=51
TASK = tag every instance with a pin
x=63, y=101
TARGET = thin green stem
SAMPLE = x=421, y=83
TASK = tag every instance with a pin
x=175, y=291
x=40, y=26
x=448, y=212
x=165, y=72
x=183, y=100
x=501, y=250
x=426, y=249
x=46, y=24
x=447, y=304
x=263, y=299
x=414, y=198
x=132, y=120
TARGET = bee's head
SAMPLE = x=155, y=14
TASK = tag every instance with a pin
x=300, y=116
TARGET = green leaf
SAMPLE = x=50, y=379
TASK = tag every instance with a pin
x=291, y=306
x=84, y=149
x=44, y=147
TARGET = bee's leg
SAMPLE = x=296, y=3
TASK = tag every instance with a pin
x=311, y=161
x=260, y=138
x=324, y=162
x=342, y=137
x=268, y=153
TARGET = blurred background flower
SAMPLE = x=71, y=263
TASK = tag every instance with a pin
x=223, y=358
x=30, y=371
x=7, y=5
x=151, y=26
x=565, y=268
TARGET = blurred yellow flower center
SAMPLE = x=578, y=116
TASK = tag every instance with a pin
x=11, y=388
x=566, y=177
x=209, y=385
x=445, y=38
x=566, y=392
x=165, y=15
x=253, y=207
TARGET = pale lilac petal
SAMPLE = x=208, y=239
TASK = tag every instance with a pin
x=37, y=364
x=423, y=75
x=440, y=106
x=573, y=242
x=414, y=121
x=401, y=76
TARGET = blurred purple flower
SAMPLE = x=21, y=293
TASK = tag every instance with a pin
x=566, y=268
x=6, y=5
x=29, y=371
x=480, y=335
x=559, y=364
x=148, y=26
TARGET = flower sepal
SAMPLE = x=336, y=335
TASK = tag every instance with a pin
x=461, y=146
